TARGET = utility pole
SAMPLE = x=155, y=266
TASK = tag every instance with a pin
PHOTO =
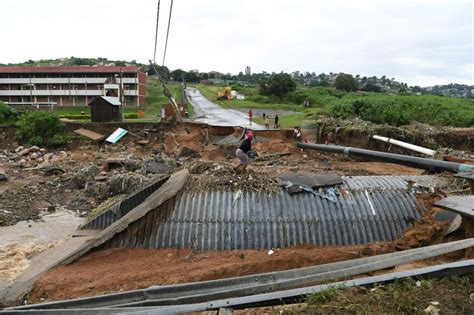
x=121, y=92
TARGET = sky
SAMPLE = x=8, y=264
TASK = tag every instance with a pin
x=420, y=42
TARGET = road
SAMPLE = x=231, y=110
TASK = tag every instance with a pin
x=212, y=114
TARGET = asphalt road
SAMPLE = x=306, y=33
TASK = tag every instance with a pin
x=212, y=114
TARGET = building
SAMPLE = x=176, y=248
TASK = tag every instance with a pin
x=71, y=86
x=106, y=108
x=248, y=71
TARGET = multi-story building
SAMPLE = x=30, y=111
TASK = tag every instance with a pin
x=248, y=71
x=71, y=86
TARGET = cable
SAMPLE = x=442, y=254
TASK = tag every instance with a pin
x=167, y=32
x=156, y=34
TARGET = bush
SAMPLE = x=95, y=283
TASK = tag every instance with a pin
x=39, y=128
x=7, y=113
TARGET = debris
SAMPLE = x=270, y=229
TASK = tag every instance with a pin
x=130, y=164
x=143, y=142
x=270, y=252
x=101, y=178
x=90, y=134
x=125, y=183
x=3, y=174
x=432, y=310
x=52, y=170
x=83, y=176
x=157, y=168
x=223, y=177
x=116, y=135
x=187, y=152
x=312, y=180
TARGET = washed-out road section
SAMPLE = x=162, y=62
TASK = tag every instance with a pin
x=212, y=114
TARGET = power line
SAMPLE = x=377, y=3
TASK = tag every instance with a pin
x=156, y=34
x=167, y=32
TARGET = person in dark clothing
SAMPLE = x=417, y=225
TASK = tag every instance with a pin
x=242, y=151
x=277, y=122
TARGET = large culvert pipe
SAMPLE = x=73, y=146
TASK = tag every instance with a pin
x=405, y=145
x=417, y=162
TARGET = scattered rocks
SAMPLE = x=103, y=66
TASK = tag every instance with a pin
x=34, y=149
x=34, y=156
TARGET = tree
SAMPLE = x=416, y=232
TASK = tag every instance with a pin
x=371, y=87
x=278, y=84
x=346, y=82
x=192, y=77
x=177, y=75
x=162, y=70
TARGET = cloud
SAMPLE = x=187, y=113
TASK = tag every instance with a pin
x=409, y=39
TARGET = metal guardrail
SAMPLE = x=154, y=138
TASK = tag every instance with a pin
x=254, y=287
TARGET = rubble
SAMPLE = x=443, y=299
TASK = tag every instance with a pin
x=221, y=176
x=83, y=176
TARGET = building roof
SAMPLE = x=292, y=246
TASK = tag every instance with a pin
x=111, y=100
x=70, y=69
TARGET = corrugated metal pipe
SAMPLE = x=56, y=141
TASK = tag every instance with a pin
x=405, y=145
x=417, y=162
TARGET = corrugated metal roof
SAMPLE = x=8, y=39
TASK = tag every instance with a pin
x=112, y=100
x=121, y=208
x=70, y=69
x=213, y=220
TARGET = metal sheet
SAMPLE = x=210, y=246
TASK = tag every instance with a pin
x=121, y=208
x=212, y=220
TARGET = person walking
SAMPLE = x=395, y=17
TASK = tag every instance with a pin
x=277, y=122
x=250, y=117
x=267, y=122
x=241, y=153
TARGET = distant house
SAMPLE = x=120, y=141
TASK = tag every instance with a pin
x=106, y=108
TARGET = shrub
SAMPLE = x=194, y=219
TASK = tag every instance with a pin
x=39, y=128
x=7, y=113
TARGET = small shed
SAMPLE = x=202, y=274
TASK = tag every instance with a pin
x=106, y=108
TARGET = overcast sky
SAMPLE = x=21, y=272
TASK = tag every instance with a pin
x=421, y=42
